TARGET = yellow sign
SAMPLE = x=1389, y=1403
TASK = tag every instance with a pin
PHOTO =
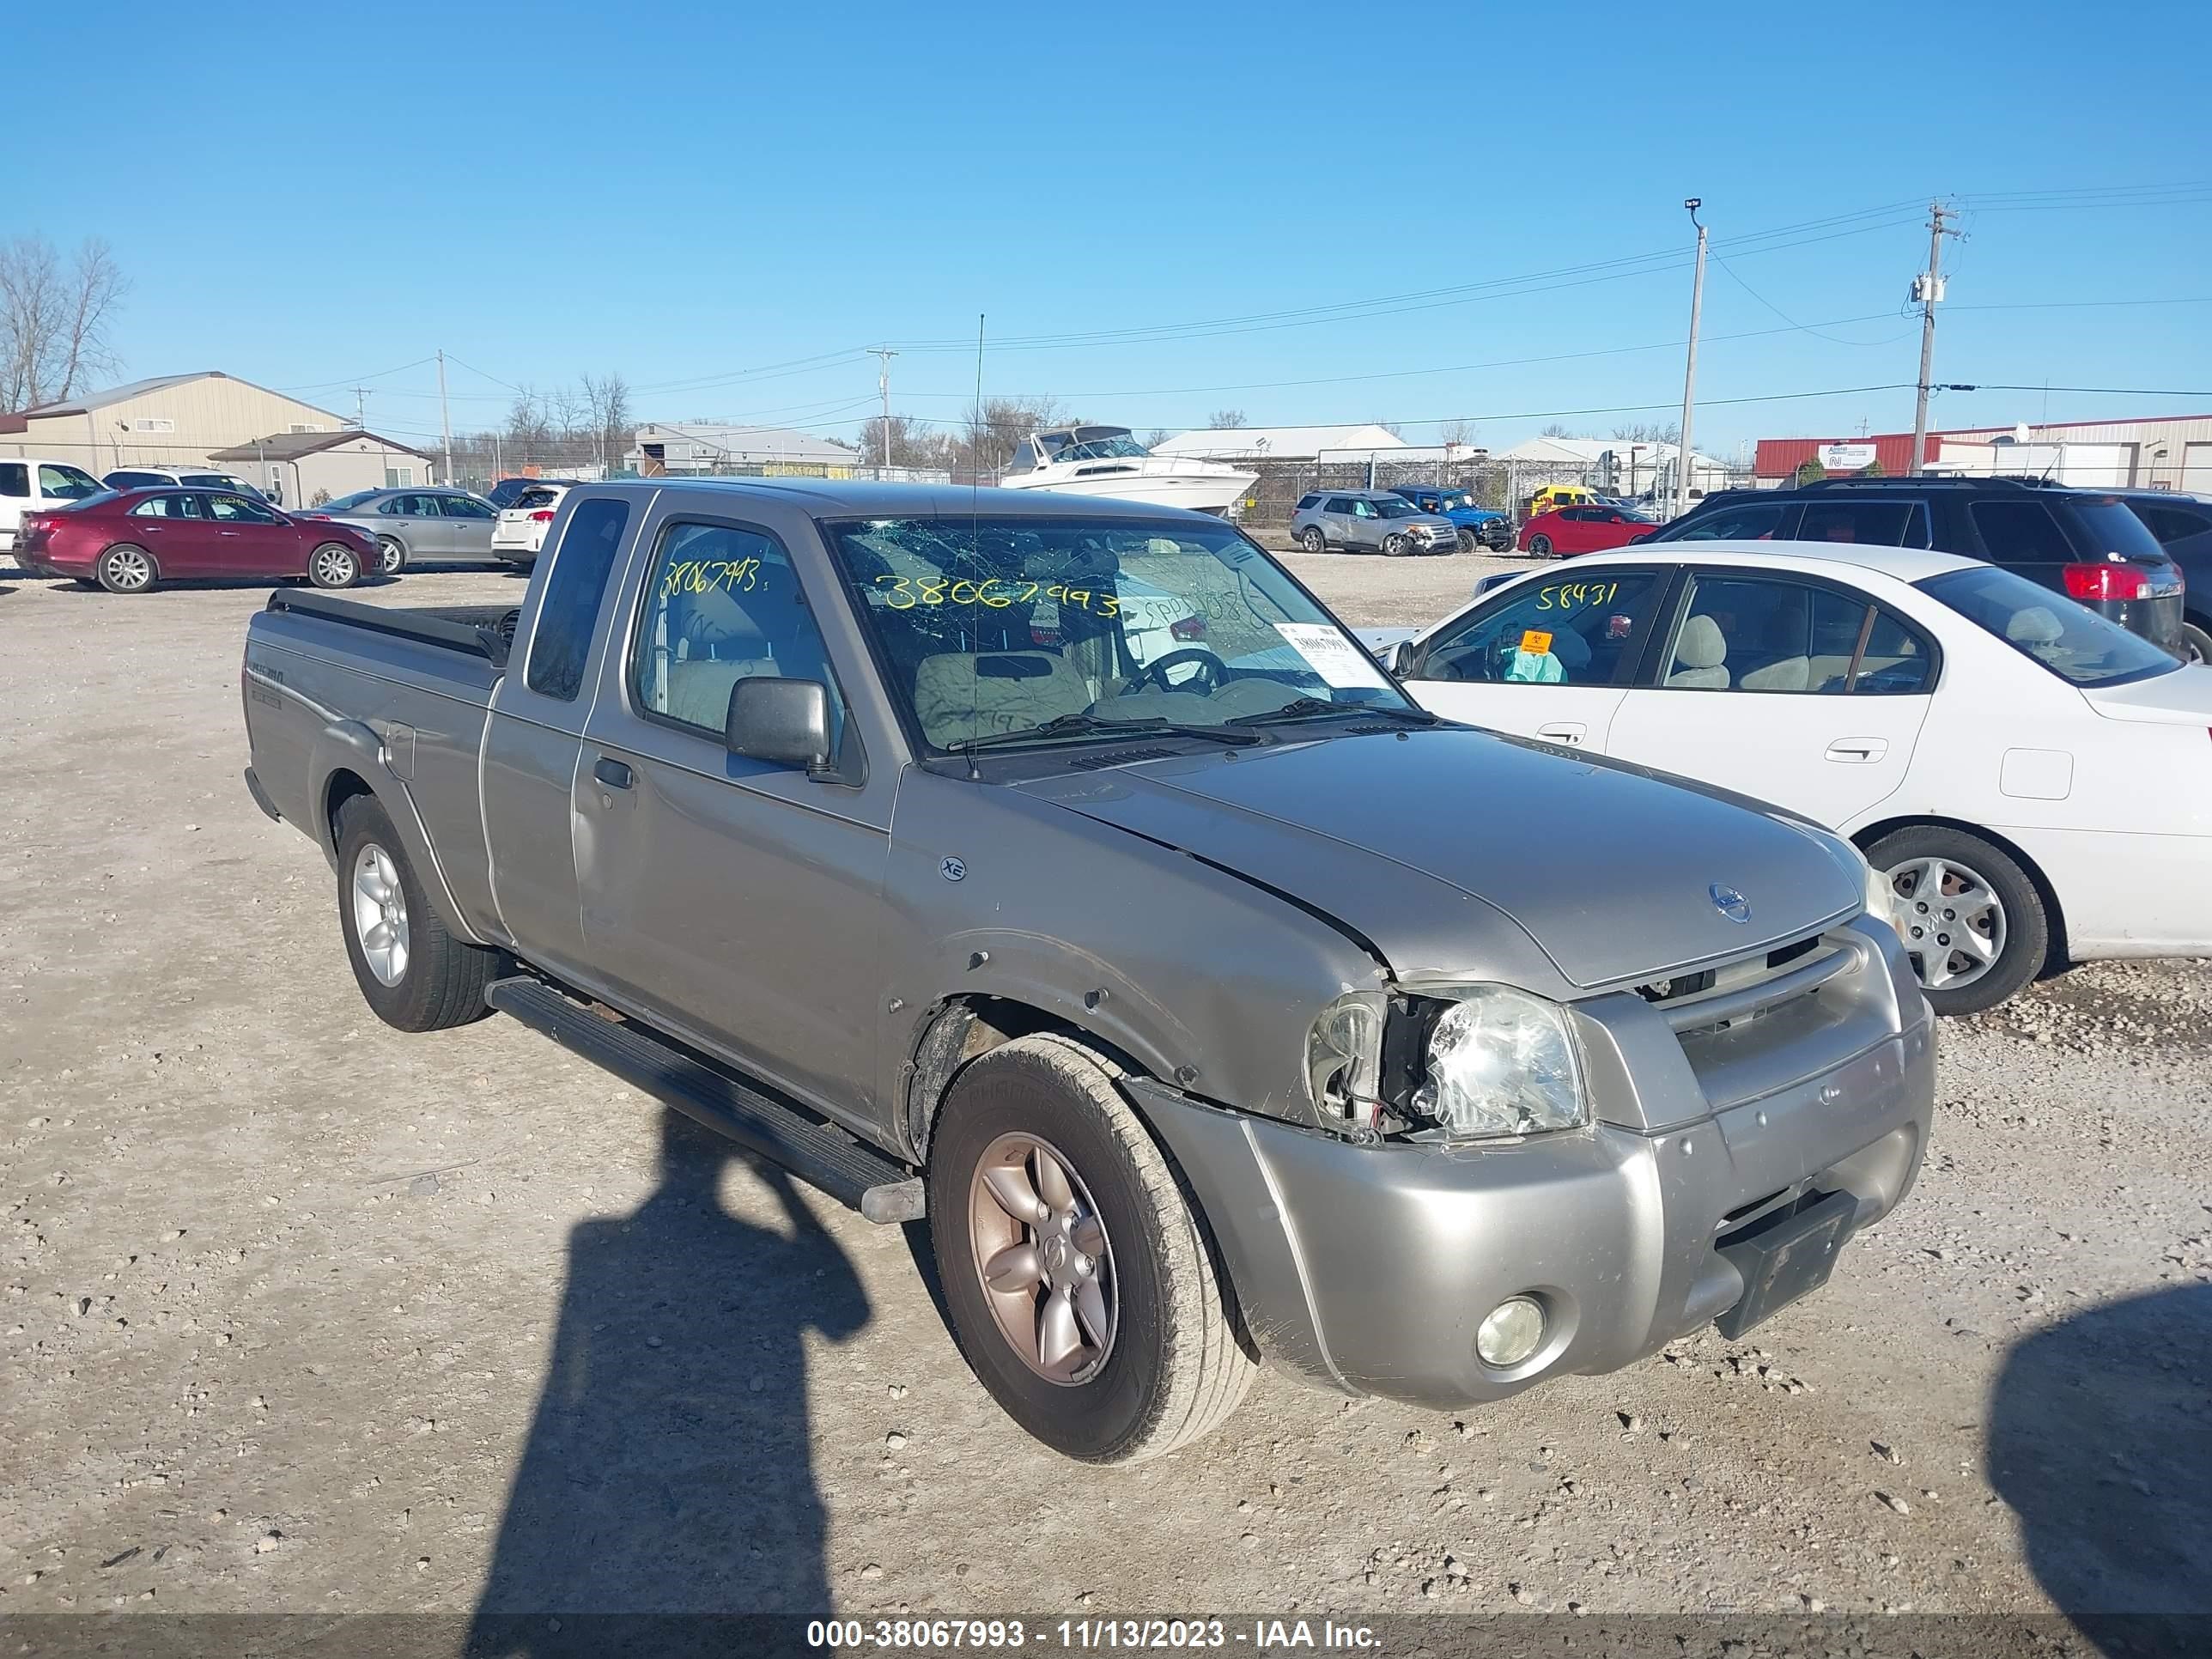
x=1536, y=643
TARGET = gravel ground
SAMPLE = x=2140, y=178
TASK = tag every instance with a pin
x=304, y=1315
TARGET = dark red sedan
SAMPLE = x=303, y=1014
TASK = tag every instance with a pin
x=1569, y=529
x=127, y=540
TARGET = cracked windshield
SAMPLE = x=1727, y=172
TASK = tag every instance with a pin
x=1046, y=629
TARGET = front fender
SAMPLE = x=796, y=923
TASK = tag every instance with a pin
x=353, y=747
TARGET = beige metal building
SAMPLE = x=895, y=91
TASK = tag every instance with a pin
x=306, y=469
x=172, y=420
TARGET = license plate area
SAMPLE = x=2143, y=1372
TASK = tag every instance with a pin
x=1784, y=1257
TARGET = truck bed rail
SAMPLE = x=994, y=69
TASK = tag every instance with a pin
x=475, y=639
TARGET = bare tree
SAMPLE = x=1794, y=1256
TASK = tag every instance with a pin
x=54, y=319
x=996, y=429
x=606, y=405
x=1156, y=437
x=910, y=444
x=1457, y=435
x=1224, y=420
x=1647, y=432
x=1555, y=430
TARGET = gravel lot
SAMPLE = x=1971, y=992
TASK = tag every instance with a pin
x=304, y=1315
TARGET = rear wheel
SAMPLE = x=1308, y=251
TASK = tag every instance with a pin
x=1972, y=921
x=1081, y=1282
x=126, y=569
x=1540, y=546
x=390, y=556
x=334, y=565
x=2195, y=643
x=415, y=974
x=1312, y=540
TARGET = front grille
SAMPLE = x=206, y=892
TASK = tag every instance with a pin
x=1752, y=987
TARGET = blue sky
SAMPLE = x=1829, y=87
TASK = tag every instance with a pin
x=313, y=196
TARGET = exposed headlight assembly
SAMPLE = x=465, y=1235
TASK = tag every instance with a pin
x=1501, y=1062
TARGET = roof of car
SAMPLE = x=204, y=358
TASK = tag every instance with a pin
x=1905, y=564
x=834, y=498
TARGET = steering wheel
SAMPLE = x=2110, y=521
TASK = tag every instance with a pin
x=1213, y=671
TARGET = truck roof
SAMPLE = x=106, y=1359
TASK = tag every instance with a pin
x=836, y=497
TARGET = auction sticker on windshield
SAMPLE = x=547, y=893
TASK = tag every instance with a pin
x=1331, y=654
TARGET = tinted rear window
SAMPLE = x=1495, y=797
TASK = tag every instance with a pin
x=2112, y=528
x=537, y=497
x=570, y=611
x=2072, y=641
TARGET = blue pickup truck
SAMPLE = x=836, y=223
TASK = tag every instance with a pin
x=1484, y=527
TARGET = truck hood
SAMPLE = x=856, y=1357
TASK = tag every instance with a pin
x=1422, y=842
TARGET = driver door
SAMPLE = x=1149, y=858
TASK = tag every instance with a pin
x=1364, y=528
x=253, y=540
x=1550, y=660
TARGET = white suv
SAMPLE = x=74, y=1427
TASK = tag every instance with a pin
x=520, y=531
x=28, y=484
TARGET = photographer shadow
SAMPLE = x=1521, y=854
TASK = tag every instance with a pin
x=2100, y=1439
x=667, y=1489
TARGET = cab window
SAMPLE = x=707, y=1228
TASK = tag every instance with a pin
x=723, y=604
x=1584, y=632
x=570, y=612
x=67, y=483
x=236, y=509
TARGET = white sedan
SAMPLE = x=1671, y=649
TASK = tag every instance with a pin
x=2035, y=782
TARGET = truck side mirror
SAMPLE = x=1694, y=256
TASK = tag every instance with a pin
x=785, y=722
x=1400, y=661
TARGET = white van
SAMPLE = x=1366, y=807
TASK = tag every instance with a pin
x=28, y=484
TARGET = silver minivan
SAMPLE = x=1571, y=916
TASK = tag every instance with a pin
x=1369, y=520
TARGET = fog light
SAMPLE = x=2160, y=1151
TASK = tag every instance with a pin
x=1511, y=1332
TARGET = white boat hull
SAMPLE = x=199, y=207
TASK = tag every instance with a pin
x=1157, y=482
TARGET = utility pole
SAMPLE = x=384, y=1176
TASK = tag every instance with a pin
x=445, y=422
x=883, y=355
x=1690, y=369
x=361, y=407
x=1927, y=288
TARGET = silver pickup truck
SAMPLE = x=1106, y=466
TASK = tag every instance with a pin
x=1212, y=1001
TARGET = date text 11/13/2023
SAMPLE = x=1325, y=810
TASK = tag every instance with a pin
x=1086, y=1635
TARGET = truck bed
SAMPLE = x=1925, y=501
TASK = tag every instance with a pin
x=481, y=630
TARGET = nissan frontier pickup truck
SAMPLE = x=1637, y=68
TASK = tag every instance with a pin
x=1216, y=1008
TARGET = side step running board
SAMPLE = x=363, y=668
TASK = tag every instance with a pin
x=819, y=1153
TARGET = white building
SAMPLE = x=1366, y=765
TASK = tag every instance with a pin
x=702, y=447
x=1282, y=443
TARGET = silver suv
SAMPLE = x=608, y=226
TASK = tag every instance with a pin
x=1377, y=520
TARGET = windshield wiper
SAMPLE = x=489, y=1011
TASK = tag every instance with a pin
x=1085, y=725
x=1307, y=709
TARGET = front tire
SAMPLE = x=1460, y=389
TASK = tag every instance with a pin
x=416, y=975
x=1312, y=540
x=1394, y=544
x=1972, y=921
x=1467, y=543
x=1081, y=1281
x=1539, y=547
x=333, y=565
x=390, y=556
x=124, y=568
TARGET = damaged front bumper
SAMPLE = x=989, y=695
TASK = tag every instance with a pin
x=1725, y=1169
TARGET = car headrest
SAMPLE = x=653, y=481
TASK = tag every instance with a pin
x=2037, y=625
x=1702, y=644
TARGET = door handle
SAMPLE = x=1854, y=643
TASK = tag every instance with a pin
x=1567, y=732
x=615, y=774
x=1859, y=750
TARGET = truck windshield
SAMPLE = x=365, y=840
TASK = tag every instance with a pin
x=991, y=628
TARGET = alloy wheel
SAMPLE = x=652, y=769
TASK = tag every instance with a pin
x=129, y=569
x=334, y=567
x=1952, y=920
x=1042, y=1252
x=380, y=915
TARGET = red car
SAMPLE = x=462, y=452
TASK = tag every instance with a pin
x=127, y=540
x=1569, y=529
